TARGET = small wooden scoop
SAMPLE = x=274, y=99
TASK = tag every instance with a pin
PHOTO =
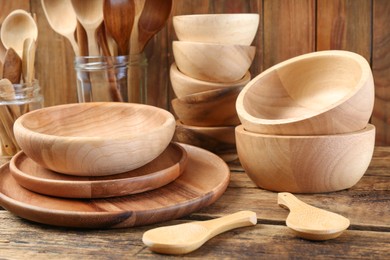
x=185, y=238
x=310, y=222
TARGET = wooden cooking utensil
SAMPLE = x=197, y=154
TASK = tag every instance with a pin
x=153, y=18
x=62, y=19
x=119, y=19
x=28, y=60
x=18, y=26
x=90, y=15
x=159, y=172
x=310, y=222
x=82, y=39
x=203, y=181
x=138, y=7
x=185, y=238
x=12, y=68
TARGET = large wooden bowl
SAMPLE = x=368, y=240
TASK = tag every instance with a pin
x=209, y=108
x=325, y=92
x=217, y=28
x=219, y=139
x=213, y=62
x=183, y=85
x=305, y=164
x=94, y=139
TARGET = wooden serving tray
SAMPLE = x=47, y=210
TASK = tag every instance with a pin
x=161, y=171
x=204, y=180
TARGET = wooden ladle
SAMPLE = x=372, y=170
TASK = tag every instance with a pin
x=119, y=19
x=185, y=238
x=153, y=18
x=90, y=15
x=310, y=222
x=62, y=19
x=18, y=26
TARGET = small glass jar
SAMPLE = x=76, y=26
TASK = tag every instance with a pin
x=15, y=100
x=102, y=78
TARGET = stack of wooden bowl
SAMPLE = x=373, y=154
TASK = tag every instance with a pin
x=212, y=60
x=106, y=164
x=305, y=123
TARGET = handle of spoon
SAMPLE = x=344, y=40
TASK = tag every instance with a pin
x=288, y=201
x=236, y=220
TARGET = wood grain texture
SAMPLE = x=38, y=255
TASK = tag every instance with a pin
x=381, y=70
x=365, y=204
x=167, y=167
x=193, y=190
x=345, y=25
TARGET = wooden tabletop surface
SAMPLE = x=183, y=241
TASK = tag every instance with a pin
x=367, y=205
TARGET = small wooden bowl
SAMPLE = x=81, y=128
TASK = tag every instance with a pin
x=238, y=29
x=219, y=140
x=213, y=62
x=183, y=85
x=327, y=92
x=209, y=108
x=305, y=164
x=94, y=139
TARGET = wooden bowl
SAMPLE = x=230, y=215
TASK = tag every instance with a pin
x=218, y=139
x=213, y=62
x=305, y=164
x=327, y=92
x=183, y=85
x=238, y=29
x=209, y=108
x=94, y=139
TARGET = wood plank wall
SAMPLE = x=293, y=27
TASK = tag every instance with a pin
x=287, y=28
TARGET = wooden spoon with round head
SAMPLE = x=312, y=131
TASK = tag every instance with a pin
x=18, y=26
x=119, y=19
x=90, y=15
x=152, y=20
x=310, y=222
x=62, y=19
x=185, y=238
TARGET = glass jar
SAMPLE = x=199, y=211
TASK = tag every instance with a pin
x=15, y=100
x=102, y=78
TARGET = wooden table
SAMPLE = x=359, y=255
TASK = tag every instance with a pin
x=367, y=205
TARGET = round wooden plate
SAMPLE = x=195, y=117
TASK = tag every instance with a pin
x=161, y=171
x=204, y=180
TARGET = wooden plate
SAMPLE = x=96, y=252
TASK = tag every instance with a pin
x=161, y=171
x=203, y=181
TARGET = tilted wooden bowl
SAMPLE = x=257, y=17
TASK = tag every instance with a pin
x=325, y=92
x=213, y=62
x=209, y=108
x=94, y=139
x=305, y=164
x=218, y=139
x=183, y=85
x=238, y=29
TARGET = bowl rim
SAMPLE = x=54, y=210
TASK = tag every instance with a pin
x=365, y=74
x=19, y=126
x=213, y=45
x=240, y=129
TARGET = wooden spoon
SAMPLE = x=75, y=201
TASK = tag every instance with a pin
x=185, y=238
x=18, y=26
x=119, y=19
x=153, y=18
x=28, y=60
x=62, y=19
x=12, y=68
x=90, y=15
x=310, y=222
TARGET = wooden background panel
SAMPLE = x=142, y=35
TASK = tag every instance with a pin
x=381, y=70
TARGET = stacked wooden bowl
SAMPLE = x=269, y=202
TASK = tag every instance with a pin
x=305, y=123
x=106, y=164
x=212, y=60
